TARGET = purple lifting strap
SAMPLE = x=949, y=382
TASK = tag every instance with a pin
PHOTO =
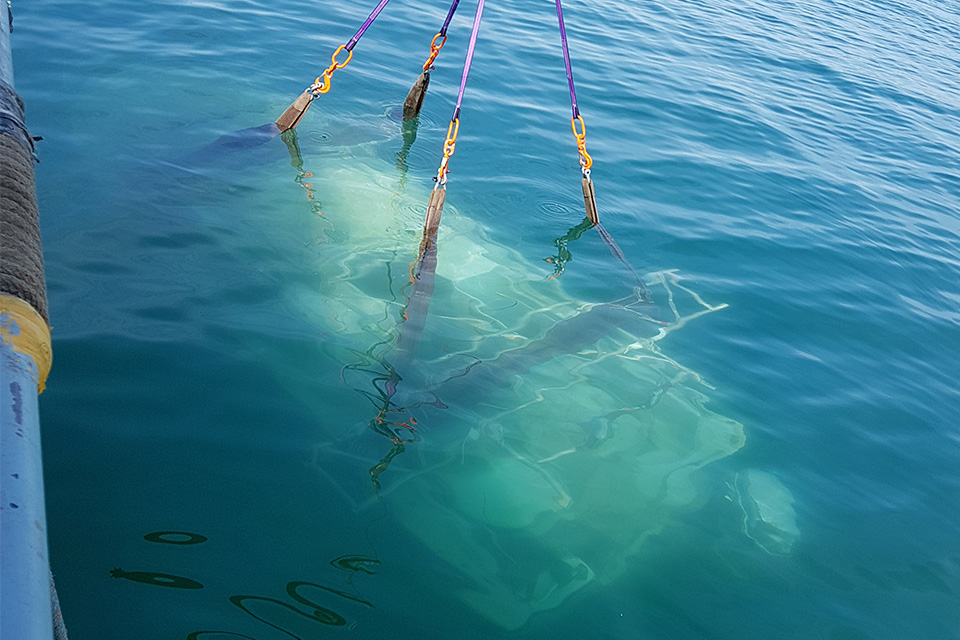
x=359, y=34
x=466, y=64
x=566, y=61
x=446, y=23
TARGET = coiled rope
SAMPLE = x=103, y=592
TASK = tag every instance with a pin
x=21, y=258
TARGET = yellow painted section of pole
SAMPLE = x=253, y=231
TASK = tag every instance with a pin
x=26, y=332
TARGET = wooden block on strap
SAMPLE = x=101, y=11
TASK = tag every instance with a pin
x=294, y=113
x=414, y=101
x=431, y=223
x=434, y=210
x=590, y=201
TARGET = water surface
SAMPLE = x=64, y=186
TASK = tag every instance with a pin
x=783, y=467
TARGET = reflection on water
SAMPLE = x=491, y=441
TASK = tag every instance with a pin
x=564, y=255
x=363, y=564
x=272, y=612
x=158, y=579
x=175, y=537
x=164, y=579
x=289, y=138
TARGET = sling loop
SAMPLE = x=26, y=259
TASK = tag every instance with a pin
x=434, y=47
x=454, y=127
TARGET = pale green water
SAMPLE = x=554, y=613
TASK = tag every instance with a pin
x=781, y=468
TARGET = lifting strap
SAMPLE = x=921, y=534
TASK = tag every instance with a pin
x=439, y=193
x=589, y=197
x=295, y=112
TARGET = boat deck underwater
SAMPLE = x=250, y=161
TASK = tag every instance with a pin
x=529, y=440
x=274, y=412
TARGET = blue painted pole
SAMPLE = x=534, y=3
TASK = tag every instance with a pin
x=25, y=605
x=25, y=583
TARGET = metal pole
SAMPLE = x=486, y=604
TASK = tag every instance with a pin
x=25, y=600
x=6, y=58
x=25, y=605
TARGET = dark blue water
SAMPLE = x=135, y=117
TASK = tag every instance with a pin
x=224, y=321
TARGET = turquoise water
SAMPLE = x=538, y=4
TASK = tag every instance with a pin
x=783, y=467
